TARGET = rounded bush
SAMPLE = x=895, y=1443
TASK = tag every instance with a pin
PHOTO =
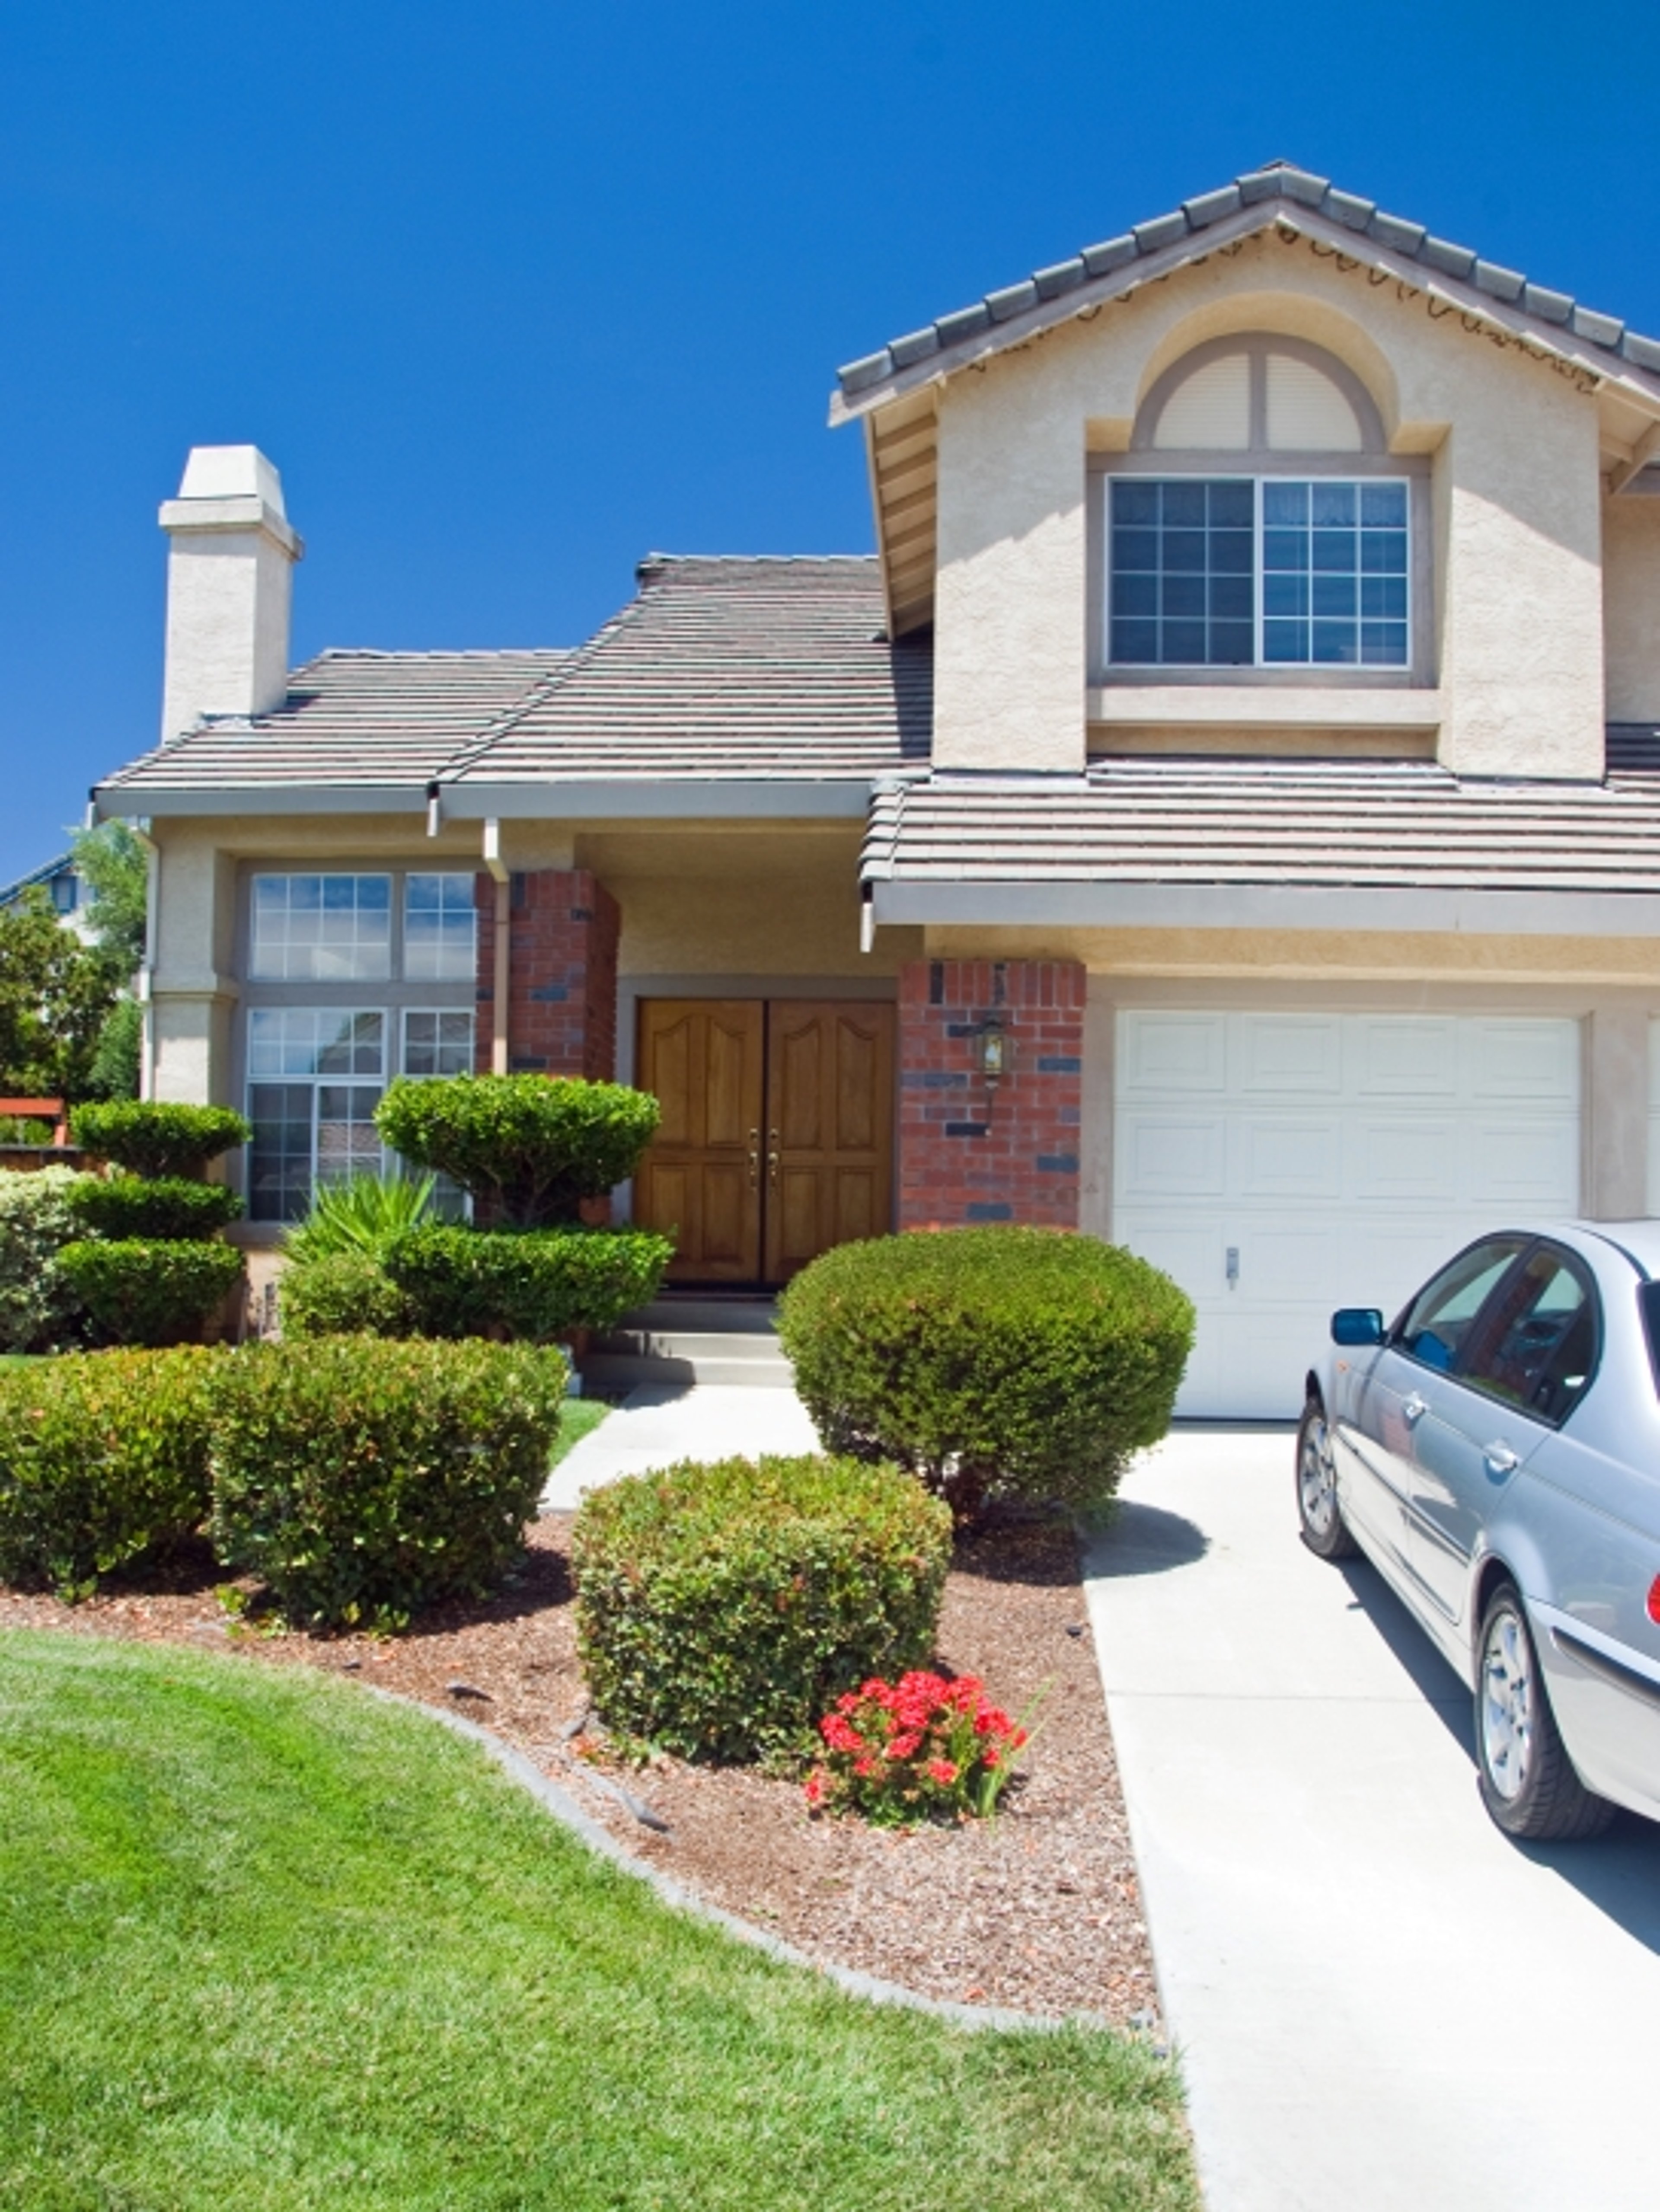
x=531, y=1148
x=347, y=1294
x=151, y=1294
x=38, y=1309
x=124, y=1207
x=720, y=1607
x=1023, y=1362
x=103, y=1461
x=364, y=1479
x=155, y=1137
x=536, y=1284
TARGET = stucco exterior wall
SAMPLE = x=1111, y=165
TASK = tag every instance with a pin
x=1631, y=607
x=1515, y=491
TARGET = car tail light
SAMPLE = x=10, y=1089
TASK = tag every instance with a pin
x=1654, y=1599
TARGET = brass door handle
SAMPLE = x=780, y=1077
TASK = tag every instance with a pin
x=772, y=1170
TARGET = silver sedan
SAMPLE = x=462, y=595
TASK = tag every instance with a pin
x=1495, y=1451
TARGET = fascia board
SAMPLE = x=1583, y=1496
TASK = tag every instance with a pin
x=1251, y=906
x=136, y=801
x=1551, y=338
x=706, y=799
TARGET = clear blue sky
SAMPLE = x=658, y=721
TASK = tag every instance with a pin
x=513, y=293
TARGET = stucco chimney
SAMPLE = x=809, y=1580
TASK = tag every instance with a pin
x=230, y=568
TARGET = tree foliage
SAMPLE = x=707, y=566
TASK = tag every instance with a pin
x=112, y=865
x=56, y=996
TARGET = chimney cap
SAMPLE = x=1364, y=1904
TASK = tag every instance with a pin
x=232, y=472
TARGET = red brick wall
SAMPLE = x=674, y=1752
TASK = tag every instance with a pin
x=562, y=993
x=970, y=1153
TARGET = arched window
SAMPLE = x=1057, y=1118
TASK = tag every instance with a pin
x=1295, y=552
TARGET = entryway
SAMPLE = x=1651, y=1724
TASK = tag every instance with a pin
x=776, y=1140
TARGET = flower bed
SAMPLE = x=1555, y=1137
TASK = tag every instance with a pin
x=924, y=1748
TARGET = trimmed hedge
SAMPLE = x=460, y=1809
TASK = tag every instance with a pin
x=124, y=1207
x=155, y=1137
x=720, y=1608
x=1023, y=1362
x=151, y=1294
x=529, y=1148
x=103, y=1461
x=536, y=1284
x=364, y=1480
x=38, y=1309
x=347, y=1294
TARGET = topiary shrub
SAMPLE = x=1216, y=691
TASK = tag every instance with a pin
x=347, y=1294
x=39, y=1310
x=151, y=1294
x=720, y=1608
x=103, y=1461
x=529, y=1148
x=364, y=1480
x=152, y=1137
x=1025, y=1362
x=126, y=1206
x=534, y=1284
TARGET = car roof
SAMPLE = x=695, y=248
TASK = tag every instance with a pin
x=1638, y=1240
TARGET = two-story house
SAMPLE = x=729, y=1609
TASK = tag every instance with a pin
x=1223, y=816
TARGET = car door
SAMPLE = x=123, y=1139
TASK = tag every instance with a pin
x=1412, y=1372
x=1525, y=1363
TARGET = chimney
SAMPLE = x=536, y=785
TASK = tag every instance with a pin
x=230, y=565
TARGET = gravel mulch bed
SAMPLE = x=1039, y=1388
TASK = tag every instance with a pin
x=1040, y=1910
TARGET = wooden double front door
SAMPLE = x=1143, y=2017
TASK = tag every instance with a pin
x=776, y=1140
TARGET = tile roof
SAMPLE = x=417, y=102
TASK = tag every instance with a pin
x=752, y=668
x=1276, y=186
x=352, y=718
x=1170, y=822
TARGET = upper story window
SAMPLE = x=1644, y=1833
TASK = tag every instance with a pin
x=339, y=928
x=1297, y=551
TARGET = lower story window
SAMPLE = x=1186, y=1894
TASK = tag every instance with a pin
x=315, y=1077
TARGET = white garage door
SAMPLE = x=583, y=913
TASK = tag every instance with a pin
x=1280, y=1165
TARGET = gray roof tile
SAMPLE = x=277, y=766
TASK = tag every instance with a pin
x=1331, y=825
x=1257, y=188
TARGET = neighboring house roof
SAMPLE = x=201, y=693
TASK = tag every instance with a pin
x=737, y=669
x=1143, y=840
x=1010, y=315
x=722, y=673
x=63, y=865
x=350, y=718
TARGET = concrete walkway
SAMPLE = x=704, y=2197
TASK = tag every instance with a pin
x=660, y=1422
x=1381, y=2005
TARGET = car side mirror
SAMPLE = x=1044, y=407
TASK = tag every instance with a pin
x=1357, y=1325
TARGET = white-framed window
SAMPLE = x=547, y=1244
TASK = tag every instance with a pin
x=315, y=1077
x=440, y=927
x=320, y=929
x=1259, y=571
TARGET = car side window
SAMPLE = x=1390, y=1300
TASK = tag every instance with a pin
x=1536, y=1344
x=1433, y=1327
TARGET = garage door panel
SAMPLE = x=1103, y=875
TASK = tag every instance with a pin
x=1287, y=1156
x=1293, y=1055
x=1343, y=1158
x=1172, y=1054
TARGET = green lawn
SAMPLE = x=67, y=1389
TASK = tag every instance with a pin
x=265, y=1942
x=576, y=1416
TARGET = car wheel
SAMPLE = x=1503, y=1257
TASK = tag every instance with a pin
x=1319, y=1516
x=1528, y=1780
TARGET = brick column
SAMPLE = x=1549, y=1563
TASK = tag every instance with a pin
x=969, y=1152
x=562, y=977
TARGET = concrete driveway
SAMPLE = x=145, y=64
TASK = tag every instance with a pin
x=1380, y=2003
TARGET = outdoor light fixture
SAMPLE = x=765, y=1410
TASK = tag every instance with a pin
x=993, y=1054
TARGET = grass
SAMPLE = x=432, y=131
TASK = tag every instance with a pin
x=266, y=1941
x=576, y=1416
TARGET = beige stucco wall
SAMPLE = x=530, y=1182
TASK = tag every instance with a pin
x=1516, y=500
x=1631, y=607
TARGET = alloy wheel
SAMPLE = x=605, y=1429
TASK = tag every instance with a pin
x=1507, y=1704
x=1317, y=1477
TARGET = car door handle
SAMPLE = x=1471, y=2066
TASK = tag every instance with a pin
x=1501, y=1458
x=1413, y=1407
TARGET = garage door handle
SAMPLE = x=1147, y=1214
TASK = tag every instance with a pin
x=1413, y=1407
x=1501, y=1458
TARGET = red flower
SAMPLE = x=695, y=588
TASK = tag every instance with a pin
x=942, y=1772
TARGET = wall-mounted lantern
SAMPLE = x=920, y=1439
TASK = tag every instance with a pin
x=993, y=1054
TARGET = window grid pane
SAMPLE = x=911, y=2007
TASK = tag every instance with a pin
x=321, y=929
x=1335, y=573
x=439, y=926
x=1182, y=552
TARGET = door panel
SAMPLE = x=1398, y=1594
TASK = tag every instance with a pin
x=703, y=1059
x=829, y=1127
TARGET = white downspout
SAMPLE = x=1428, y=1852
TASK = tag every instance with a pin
x=502, y=975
